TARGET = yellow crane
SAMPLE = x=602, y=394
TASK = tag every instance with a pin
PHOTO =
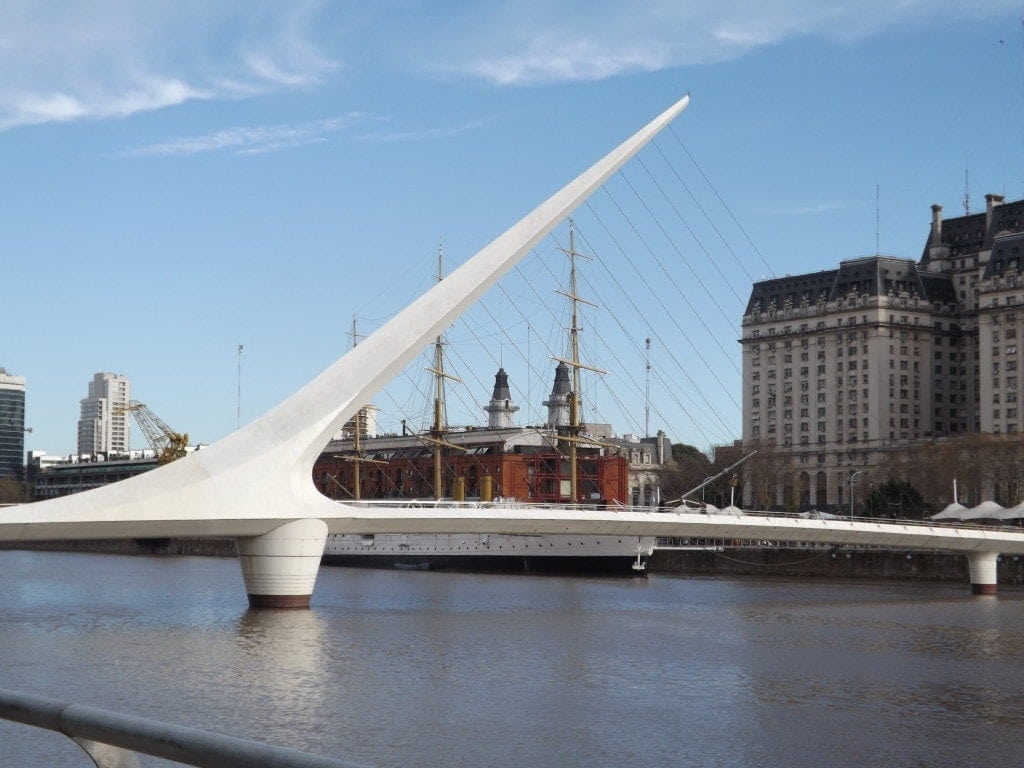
x=165, y=442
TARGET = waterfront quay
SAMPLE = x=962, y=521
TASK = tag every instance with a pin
x=682, y=557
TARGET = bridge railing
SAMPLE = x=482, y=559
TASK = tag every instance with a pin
x=688, y=509
x=112, y=740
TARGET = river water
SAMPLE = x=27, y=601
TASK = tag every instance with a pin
x=394, y=668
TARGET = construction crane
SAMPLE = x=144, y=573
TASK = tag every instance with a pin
x=165, y=442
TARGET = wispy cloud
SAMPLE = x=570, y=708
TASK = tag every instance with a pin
x=424, y=134
x=526, y=42
x=112, y=58
x=250, y=140
x=260, y=139
x=808, y=210
x=95, y=59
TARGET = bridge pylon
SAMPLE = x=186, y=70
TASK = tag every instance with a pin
x=279, y=568
x=982, y=566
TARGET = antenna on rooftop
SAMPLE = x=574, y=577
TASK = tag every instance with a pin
x=967, y=192
x=878, y=251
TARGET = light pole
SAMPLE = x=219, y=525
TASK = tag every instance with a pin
x=853, y=479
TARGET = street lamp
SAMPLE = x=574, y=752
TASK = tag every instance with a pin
x=853, y=479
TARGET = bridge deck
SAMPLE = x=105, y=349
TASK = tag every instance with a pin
x=19, y=524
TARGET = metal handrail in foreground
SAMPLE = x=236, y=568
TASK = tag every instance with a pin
x=112, y=739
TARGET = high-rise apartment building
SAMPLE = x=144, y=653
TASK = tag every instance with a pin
x=105, y=422
x=12, y=426
x=844, y=365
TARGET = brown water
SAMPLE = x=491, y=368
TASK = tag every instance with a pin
x=397, y=668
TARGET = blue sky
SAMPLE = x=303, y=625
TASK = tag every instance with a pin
x=180, y=178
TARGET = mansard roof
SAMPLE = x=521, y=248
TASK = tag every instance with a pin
x=870, y=275
x=1007, y=253
x=1007, y=217
x=794, y=288
x=961, y=234
x=968, y=234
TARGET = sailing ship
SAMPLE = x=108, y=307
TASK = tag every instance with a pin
x=502, y=464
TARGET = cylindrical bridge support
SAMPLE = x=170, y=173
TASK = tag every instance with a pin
x=982, y=567
x=280, y=567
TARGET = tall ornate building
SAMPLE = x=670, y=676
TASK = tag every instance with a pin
x=105, y=422
x=842, y=366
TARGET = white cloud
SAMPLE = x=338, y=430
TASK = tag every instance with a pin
x=260, y=139
x=250, y=140
x=524, y=42
x=808, y=210
x=422, y=134
x=111, y=58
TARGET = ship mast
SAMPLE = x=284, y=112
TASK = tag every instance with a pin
x=357, y=452
x=437, y=429
x=575, y=399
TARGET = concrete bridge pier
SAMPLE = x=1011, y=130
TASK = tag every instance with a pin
x=279, y=568
x=982, y=567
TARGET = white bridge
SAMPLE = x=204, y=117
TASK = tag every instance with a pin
x=256, y=484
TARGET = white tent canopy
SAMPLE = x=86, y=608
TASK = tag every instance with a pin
x=987, y=510
x=954, y=511
x=1013, y=513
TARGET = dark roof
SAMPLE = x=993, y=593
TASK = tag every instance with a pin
x=1008, y=217
x=871, y=275
x=967, y=234
x=562, y=385
x=1007, y=251
x=794, y=288
x=501, y=391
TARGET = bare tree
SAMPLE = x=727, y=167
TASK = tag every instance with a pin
x=13, y=491
x=764, y=472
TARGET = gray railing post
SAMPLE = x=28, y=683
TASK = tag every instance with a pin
x=106, y=756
